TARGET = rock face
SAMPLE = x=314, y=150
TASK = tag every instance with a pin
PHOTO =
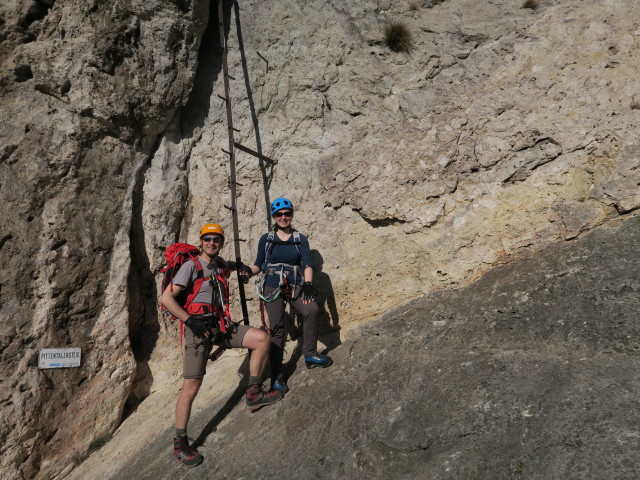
x=530, y=372
x=86, y=89
x=503, y=131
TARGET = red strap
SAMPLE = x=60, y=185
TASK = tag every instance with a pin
x=198, y=308
x=195, y=288
x=197, y=285
x=194, y=309
x=264, y=324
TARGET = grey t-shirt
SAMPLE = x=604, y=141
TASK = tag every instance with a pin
x=188, y=274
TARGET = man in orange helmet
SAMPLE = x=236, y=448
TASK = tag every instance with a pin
x=207, y=323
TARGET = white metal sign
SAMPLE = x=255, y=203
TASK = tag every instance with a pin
x=59, y=358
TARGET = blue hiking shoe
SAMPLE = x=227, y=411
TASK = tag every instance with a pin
x=279, y=384
x=318, y=360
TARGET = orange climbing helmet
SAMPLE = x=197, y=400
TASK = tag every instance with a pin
x=212, y=228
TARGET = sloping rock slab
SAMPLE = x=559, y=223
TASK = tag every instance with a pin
x=531, y=372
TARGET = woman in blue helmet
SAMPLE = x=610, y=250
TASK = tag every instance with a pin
x=284, y=258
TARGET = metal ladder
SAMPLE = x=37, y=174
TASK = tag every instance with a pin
x=233, y=145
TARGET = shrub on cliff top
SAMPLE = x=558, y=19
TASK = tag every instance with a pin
x=532, y=4
x=397, y=37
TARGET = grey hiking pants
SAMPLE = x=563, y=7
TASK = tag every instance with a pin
x=309, y=312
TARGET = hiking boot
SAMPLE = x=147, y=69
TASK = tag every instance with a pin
x=279, y=384
x=184, y=453
x=258, y=397
x=318, y=360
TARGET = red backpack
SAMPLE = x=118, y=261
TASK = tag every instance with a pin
x=177, y=255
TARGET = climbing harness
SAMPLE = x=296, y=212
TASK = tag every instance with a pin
x=219, y=306
x=217, y=313
x=282, y=270
x=284, y=290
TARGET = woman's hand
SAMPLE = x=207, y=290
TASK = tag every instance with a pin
x=307, y=295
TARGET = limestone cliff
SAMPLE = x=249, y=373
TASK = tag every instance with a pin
x=527, y=373
x=502, y=131
x=87, y=88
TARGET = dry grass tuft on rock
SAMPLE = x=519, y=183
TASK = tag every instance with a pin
x=413, y=6
x=532, y=4
x=397, y=37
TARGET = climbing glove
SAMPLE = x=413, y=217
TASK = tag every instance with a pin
x=198, y=326
x=307, y=291
x=245, y=273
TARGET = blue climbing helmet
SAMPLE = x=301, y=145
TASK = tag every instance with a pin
x=279, y=204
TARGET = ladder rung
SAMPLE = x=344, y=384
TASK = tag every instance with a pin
x=229, y=208
x=229, y=76
x=228, y=153
x=223, y=98
x=235, y=130
x=254, y=153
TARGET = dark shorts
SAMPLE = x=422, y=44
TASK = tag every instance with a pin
x=196, y=349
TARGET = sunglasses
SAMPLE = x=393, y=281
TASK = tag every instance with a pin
x=212, y=239
x=283, y=214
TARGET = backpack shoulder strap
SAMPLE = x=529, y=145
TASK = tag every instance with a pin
x=198, y=265
x=296, y=240
x=197, y=284
x=268, y=246
x=193, y=291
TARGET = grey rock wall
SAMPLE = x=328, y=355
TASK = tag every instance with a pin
x=86, y=89
x=528, y=373
x=492, y=138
